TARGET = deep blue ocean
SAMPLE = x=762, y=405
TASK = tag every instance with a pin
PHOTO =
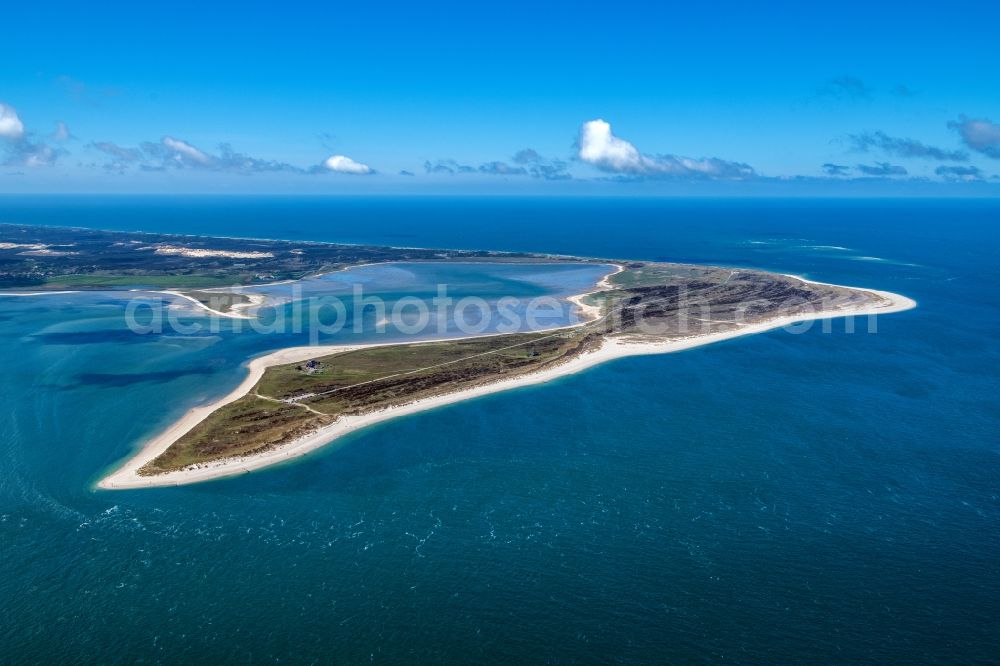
x=829, y=497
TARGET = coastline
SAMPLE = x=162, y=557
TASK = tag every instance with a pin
x=126, y=476
x=35, y=293
x=593, y=312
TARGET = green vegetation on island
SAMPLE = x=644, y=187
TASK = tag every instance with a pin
x=295, y=399
x=646, y=302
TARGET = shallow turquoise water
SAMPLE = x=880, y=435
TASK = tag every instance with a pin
x=815, y=497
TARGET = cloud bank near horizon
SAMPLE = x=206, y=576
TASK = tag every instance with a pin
x=598, y=154
x=173, y=153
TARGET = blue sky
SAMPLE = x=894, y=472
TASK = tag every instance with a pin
x=562, y=98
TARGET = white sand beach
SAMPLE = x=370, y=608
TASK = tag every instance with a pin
x=126, y=476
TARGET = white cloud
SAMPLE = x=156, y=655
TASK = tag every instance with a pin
x=11, y=126
x=344, y=164
x=62, y=132
x=19, y=149
x=600, y=147
x=183, y=149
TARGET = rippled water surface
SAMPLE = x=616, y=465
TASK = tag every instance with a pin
x=812, y=498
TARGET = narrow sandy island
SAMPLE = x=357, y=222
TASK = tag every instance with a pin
x=610, y=349
x=255, y=301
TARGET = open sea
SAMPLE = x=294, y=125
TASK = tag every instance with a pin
x=828, y=497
